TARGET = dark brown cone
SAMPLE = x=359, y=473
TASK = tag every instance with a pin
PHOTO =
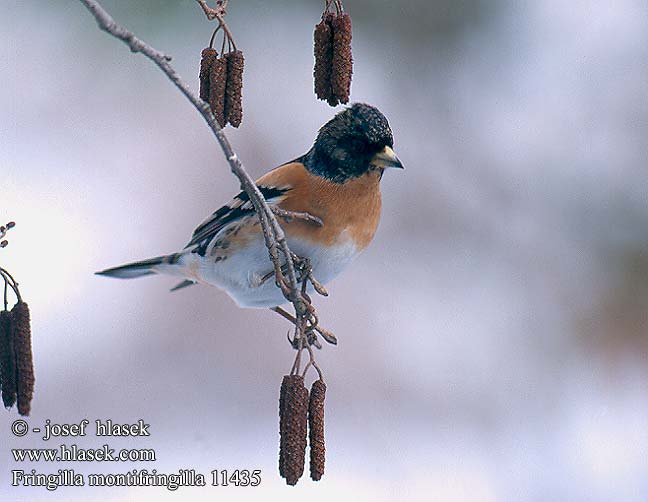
x=342, y=57
x=21, y=335
x=282, y=421
x=234, y=88
x=293, y=427
x=206, y=61
x=316, y=429
x=7, y=360
x=323, y=49
x=217, y=82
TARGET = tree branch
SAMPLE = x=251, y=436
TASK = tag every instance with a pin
x=274, y=236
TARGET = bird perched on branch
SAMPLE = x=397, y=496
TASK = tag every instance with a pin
x=336, y=183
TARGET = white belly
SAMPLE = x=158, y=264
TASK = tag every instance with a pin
x=240, y=275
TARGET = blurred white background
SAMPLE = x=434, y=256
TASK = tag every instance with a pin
x=493, y=338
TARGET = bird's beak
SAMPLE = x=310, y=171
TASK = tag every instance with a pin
x=386, y=158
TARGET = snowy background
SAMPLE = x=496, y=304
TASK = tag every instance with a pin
x=493, y=338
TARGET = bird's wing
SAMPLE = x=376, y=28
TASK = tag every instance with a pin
x=239, y=207
x=274, y=185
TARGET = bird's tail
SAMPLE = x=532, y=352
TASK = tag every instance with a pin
x=141, y=268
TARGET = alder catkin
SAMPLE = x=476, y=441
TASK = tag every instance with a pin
x=208, y=57
x=7, y=360
x=293, y=427
x=316, y=429
x=234, y=88
x=323, y=50
x=217, y=82
x=342, y=64
x=282, y=424
x=21, y=336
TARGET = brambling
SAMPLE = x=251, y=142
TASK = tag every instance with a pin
x=337, y=181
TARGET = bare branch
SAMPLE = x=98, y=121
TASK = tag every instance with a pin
x=274, y=235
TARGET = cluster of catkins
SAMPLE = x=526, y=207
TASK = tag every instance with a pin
x=300, y=413
x=333, y=58
x=16, y=366
x=221, y=84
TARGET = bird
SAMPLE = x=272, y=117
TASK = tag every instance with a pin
x=336, y=184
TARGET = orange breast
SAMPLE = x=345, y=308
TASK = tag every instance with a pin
x=351, y=209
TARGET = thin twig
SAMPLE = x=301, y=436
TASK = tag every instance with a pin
x=218, y=13
x=289, y=215
x=274, y=235
x=311, y=362
x=8, y=279
x=305, y=319
x=327, y=335
x=212, y=13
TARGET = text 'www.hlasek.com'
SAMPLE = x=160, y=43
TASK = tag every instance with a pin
x=107, y=430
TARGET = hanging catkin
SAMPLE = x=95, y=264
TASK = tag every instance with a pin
x=206, y=61
x=234, y=88
x=7, y=360
x=333, y=68
x=316, y=429
x=323, y=49
x=21, y=335
x=342, y=64
x=217, y=83
x=293, y=427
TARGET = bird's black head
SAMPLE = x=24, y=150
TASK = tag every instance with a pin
x=353, y=142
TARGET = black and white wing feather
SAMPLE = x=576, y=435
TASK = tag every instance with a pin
x=238, y=208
